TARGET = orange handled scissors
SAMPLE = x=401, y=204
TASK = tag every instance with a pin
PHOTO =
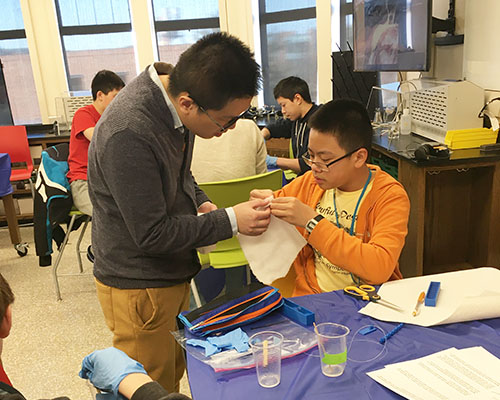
x=369, y=293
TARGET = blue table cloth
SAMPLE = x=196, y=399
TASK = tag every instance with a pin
x=5, y=169
x=301, y=376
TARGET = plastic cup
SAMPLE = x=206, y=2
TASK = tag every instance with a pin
x=266, y=349
x=332, y=344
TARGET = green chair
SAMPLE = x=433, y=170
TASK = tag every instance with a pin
x=290, y=174
x=228, y=253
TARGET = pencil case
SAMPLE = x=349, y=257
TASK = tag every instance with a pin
x=232, y=310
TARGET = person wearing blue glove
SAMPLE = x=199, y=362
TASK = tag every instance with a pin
x=294, y=98
x=111, y=370
x=271, y=162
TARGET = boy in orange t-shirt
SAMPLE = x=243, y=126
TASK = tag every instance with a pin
x=353, y=215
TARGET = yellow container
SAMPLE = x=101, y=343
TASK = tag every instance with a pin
x=470, y=138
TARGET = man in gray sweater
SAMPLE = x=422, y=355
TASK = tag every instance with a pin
x=145, y=228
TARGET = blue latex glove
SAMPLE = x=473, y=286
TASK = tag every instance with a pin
x=106, y=368
x=210, y=349
x=235, y=339
x=271, y=162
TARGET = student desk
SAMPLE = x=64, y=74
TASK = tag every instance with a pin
x=455, y=206
x=301, y=376
x=47, y=139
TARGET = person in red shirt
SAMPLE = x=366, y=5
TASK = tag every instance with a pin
x=105, y=86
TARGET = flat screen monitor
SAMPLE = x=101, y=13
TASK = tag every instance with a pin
x=392, y=35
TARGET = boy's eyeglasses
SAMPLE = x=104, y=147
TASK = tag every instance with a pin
x=227, y=125
x=323, y=167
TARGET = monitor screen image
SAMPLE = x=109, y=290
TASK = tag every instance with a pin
x=392, y=35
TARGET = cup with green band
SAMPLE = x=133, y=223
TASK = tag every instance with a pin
x=332, y=344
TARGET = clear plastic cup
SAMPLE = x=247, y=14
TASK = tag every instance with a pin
x=266, y=349
x=332, y=344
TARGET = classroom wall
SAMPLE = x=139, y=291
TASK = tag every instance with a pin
x=447, y=61
x=482, y=48
x=478, y=59
x=450, y=62
x=48, y=66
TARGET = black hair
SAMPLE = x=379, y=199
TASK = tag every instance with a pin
x=6, y=296
x=289, y=87
x=216, y=69
x=347, y=120
x=105, y=81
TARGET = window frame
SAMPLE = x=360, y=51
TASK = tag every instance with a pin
x=273, y=17
x=182, y=25
x=87, y=30
x=13, y=34
x=346, y=10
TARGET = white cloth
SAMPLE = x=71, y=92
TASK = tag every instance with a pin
x=271, y=254
x=238, y=153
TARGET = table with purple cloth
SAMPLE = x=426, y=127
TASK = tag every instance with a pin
x=5, y=169
x=8, y=201
x=301, y=376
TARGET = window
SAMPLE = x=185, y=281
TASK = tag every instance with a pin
x=96, y=34
x=16, y=62
x=179, y=24
x=288, y=43
x=346, y=33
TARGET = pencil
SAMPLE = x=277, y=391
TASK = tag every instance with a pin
x=420, y=300
x=265, y=353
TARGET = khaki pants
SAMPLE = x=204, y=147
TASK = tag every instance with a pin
x=141, y=321
x=80, y=195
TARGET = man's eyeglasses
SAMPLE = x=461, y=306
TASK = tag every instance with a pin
x=323, y=167
x=227, y=125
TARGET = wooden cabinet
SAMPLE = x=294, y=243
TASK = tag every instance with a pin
x=455, y=208
x=278, y=147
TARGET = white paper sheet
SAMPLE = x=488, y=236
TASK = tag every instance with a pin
x=271, y=254
x=449, y=374
x=463, y=296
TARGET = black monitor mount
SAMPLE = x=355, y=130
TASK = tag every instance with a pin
x=447, y=25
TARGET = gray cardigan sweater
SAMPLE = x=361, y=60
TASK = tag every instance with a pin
x=144, y=224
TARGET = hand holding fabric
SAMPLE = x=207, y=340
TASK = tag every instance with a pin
x=292, y=210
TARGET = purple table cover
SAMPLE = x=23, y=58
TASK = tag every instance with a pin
x=301, y=376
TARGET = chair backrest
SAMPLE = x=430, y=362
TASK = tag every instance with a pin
x=14, y=141
x=235, y=191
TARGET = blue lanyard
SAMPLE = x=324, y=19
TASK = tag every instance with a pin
x=351, y=231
